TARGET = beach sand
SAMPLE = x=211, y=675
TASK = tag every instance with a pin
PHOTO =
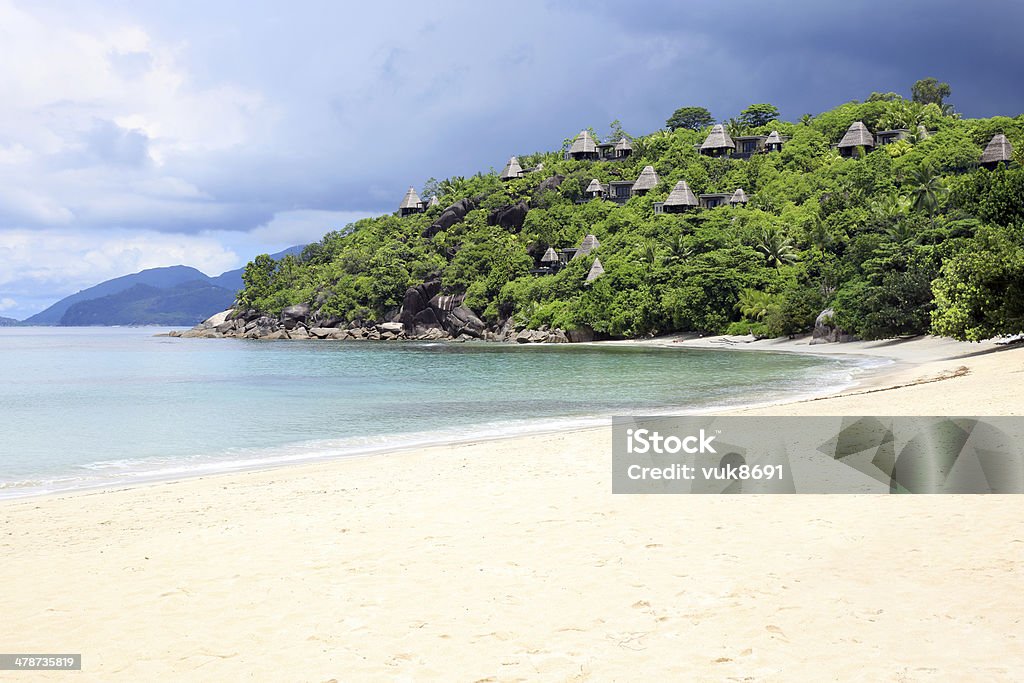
x=511, y=560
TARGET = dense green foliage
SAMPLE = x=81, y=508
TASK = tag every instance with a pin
x=907, y=238
x=694, y=118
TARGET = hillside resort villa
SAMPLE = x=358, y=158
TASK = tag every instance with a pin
x=856, y=141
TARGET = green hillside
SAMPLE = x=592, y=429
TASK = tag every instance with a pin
x=904, y=238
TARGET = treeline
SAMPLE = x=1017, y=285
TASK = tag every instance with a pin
x=912, y=237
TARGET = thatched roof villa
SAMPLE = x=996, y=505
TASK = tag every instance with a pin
x=410, y=203
x=512, y=170
x=680, y=199
x=583, y=148
x=588, y=245
x=718, y=143
x=738, y=197
x=997, y=151
x=595, y=190
x=645, y=182
x=773, y=143
x=596, y=270
x=857, y=136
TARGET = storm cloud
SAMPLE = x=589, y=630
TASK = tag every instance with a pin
x=141, y=134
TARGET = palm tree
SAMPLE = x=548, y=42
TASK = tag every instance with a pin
x=806, y=119
x=678, y=251
x=451, y=186
x=735, y=128
x=927, y=190
x=753, y=304
x=777, y=248
x=649, y=254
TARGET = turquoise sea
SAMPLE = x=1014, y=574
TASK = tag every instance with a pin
x=85, y=407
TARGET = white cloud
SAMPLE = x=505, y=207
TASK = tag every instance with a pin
x=64, y=261
x=7, y=303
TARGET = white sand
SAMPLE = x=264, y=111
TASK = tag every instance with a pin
x=511, y=560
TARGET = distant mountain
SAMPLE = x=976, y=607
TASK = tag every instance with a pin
x=159, y=278
x=8, y=322
x=187, y=303
x=143, y=306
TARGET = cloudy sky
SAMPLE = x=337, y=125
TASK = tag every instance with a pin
x=142, y=134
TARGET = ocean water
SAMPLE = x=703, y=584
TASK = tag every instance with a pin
x=86, y=407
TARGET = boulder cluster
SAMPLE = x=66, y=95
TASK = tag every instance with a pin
x=426, y=314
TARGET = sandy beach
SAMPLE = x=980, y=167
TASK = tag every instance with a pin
x=511, y=560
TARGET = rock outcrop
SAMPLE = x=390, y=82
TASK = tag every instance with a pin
x=826, y=331
x=450, y=216
x=510, y=217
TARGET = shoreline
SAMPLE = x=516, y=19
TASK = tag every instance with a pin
x=896, y=363
x=865, y=376
x=512, y=560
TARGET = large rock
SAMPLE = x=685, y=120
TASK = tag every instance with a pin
x=416, y=300
x=393, y=328
x=826, y=331
x=547, y=185
x=450, y=216
x=293, y=315
x=462, y=320
x=510, y=217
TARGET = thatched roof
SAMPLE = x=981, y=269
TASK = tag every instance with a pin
x=411, y=200
x=739, y=196
x=595, y=186
x=588, y=245
x=623, y=146
x=433, y=201
x=681, y=195
x=718, y=139
x=773, y=138
x=646, y=180
x=596, y=270
x=550, y=256
x=512, y=169
x=998, y=149
x=857, y=135
x=583, y=144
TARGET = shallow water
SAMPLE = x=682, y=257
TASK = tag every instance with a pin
x=82, y=407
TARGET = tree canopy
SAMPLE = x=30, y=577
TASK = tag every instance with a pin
x=908, y=238
x=757, y=115
x=930, y=91
x=693, y=118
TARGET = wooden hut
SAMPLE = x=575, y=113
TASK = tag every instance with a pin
x=623, y=148
x=583, y=148
x=887, y=137
x=645, y=182
x=512, y=170
x=738, y=197
x=595, y=190
x=997, y=151
x=619, y=191
x=718, y=143
x=857, y=137
x=410, y=204
x=588, y=245
x=773, y=143
x=748, y=145
x=680, y=199
x=596, y=270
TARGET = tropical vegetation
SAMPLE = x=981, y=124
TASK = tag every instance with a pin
x=912, y=237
